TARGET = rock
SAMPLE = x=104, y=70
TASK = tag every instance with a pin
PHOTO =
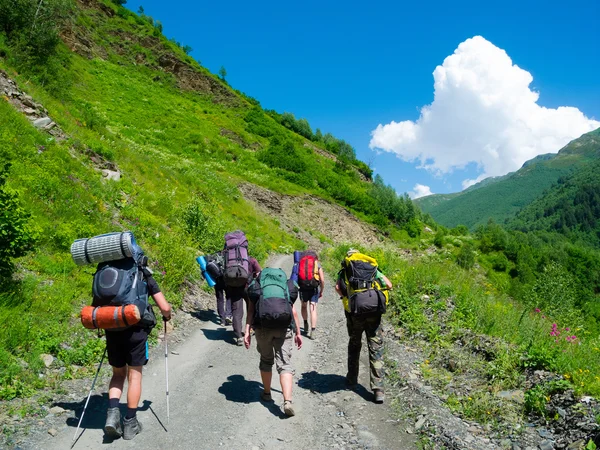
x=29, y=111
x=28, y=101
x=420, y=423
x=517, y=396
x=56, y=410
x=561, y=412
x=111, y=174
x=173, y=352
x=425, y=297
x=506, y=443
x=546, y=445
x=576, y=445
x=42, y=122
x=545, y=433
x=47, y=359
x=52, y=432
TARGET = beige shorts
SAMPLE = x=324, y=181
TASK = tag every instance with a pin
x=275, y=346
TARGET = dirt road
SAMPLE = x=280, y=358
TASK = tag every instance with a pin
x=214, y=397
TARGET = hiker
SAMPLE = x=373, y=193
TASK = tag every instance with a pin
x=215, y=266
x=364, y=292
x=235, y=301
x=311, y=282
x=127, y=354
x=271, y=297
x=239, y=270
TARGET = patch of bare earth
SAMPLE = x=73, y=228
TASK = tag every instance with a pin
x=312, y=219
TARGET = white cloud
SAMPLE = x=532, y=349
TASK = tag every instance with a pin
x=483, y=112
x=419, y=191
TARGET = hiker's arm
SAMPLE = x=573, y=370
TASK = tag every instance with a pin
x=388, y=283
x=338, y=290
x=249, y=319
x=322, y=281
x=163, y=305
x=298, y=336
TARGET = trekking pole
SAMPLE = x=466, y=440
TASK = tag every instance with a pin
x=166, y=367
x=90, y=394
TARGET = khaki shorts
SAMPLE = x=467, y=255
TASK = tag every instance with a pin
x=275, y=346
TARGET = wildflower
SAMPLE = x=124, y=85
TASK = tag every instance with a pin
x=567, y=329
x=567, y=376
x=537, y=310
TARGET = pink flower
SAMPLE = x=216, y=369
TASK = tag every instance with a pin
x=567, y=329
x=537, y=310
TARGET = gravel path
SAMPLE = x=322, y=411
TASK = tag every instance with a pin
x=214, y=397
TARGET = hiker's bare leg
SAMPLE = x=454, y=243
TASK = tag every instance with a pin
x=266, y=380
x=134, y=386
x=304, y=311
x=287, y=380
x=115, y=388
x=313, y=314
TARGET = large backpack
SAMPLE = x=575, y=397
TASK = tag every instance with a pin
x=215, y=265
x=121, y=283
x=237, y=267
x=365, y=295
x=308, y=271
x=273, y=305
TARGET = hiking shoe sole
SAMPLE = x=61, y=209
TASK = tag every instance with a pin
x=379, y=396
x=288, y=409
x=113, y=427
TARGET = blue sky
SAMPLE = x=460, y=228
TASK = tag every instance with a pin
x=349, y=67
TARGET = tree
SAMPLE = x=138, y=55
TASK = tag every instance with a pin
x=141, y=10
x=222, y=73
x=187, y=49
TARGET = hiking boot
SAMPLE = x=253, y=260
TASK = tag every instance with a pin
x=379, y=395
x=313, y=334
x=239, y=341
x=228, y=321
x=112, y=428
x=131, y=428
x=305, y=328
x=288, y=409
x=266, y=396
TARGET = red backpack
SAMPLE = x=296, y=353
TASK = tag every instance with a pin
x=308, y=271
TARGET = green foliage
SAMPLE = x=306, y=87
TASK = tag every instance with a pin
x=537, y=397
x=222, y=73
x=17, y=232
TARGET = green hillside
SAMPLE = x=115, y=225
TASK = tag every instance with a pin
x=571, y=207
x=502, y=197
x=130, y=102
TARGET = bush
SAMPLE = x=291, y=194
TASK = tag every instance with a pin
x=466, y=256
x=17, y=232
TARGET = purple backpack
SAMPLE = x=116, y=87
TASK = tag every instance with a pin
x=237, y=267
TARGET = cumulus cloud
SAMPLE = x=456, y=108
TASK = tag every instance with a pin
x=483, y=112
x=419, y=191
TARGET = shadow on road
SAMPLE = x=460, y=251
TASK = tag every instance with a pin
x=208, y=315
x=330, y=382
x=238, y=389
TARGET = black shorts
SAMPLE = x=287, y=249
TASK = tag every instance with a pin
x=310, y=295
x=127, y=347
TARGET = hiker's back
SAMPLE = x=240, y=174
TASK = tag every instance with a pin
x=237, y=269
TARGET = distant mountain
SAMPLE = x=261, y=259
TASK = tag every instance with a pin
x=501, y=198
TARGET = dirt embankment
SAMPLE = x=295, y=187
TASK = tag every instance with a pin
x=312, y=219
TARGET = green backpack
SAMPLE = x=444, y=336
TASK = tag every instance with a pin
x=274, y=306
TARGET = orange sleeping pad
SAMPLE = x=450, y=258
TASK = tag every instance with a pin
x=109, y=317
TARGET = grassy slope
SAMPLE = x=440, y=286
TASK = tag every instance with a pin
x=505, y=197
x=178, y=191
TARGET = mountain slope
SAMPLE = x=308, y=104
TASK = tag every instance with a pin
x=503, y=197
x=141, y=137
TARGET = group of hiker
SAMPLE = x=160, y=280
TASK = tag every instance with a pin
x=122, y=286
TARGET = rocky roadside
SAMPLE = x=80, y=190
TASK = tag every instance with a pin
x=568, y=422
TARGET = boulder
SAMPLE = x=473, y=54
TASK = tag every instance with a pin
x=42, y=122
x=114, y=175
x=47, y=359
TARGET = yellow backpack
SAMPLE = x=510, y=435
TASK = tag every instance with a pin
x=364, y=294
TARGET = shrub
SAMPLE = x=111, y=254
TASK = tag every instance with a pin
x=466, y=256
x=16, y=229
